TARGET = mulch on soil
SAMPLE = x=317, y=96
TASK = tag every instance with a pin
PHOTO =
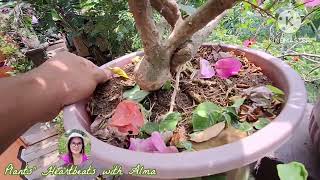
x=192, y=91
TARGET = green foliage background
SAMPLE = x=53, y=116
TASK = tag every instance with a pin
x=113, y=22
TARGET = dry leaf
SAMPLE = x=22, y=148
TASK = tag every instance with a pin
x=208, y=133
x=4, y=70
x=250, y=114
x=166, y=136
x=227, y=136
x=261, y=96
x=178, y=136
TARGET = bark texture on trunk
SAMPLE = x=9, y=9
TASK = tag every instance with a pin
x=162, y=58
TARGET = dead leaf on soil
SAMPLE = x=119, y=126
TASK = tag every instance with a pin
x=178, y=136
x=250, y=114
x=227, y=136
x=261, y=96
x=222, y=55
x=166, y=136
x=208, y=133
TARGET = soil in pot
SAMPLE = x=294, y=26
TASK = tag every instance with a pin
x=211, y=101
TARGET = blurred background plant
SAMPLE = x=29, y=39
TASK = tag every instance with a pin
x=100, y=29
x=254, y=24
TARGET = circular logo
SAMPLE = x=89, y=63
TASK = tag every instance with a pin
x=289, y=21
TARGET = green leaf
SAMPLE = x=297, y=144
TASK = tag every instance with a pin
x=227, y=118
x=215, y=117
x=170, y=122
x=292, y=171
x=232, y=110
x=131, y=92
x=135, y=94
x=206, y=115
x=167, y=86
x=244, y=126
x=270, y=21
x=150, y=127
x=261, y=123
x=275, y=90
x=55, y=15
x=238, y=102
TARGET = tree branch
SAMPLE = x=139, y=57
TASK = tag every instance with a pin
x=142, y=13
x=309, y=13
x=260, y=9
x=168, y=9
x=189, y=49
x=302, y=54
x=197, y=21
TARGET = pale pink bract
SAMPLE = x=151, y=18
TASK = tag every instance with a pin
x=153, y=144
x=206, y=70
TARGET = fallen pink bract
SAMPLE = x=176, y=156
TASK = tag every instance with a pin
x=227, y=67
x=127, y=117
x=154, y=144
x=34, y=20
x=206, y=70
x=311, y=3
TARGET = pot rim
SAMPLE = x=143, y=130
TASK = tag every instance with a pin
x=215, y=160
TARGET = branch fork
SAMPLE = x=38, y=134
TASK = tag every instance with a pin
x=162, y=58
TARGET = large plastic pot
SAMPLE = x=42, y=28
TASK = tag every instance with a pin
x=215, y=160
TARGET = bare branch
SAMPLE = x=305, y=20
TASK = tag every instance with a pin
x=197, y=21
x=168, y=9
x=189, y=49
x=260, y=9
x=302, y=54
x=142, y=13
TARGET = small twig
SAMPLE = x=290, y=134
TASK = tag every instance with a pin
x=175, y=91
x=302, y=54
x=260, y=9
x=315, y=68
x=268, y=47
x=312, y=80
x=309, y=13
x=312, y=60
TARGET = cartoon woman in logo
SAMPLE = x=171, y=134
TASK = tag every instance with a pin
x=76, y=150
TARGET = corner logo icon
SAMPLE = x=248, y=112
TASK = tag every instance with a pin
x=289, y=21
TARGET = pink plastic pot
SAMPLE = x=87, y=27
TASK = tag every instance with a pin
x=215, y=160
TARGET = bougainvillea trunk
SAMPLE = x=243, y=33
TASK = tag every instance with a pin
x=162, y=57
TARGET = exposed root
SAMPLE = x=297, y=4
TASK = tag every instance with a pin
x=175, y=91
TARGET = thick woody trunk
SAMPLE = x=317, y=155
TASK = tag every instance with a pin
x=153, y=71
x=162, y=58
